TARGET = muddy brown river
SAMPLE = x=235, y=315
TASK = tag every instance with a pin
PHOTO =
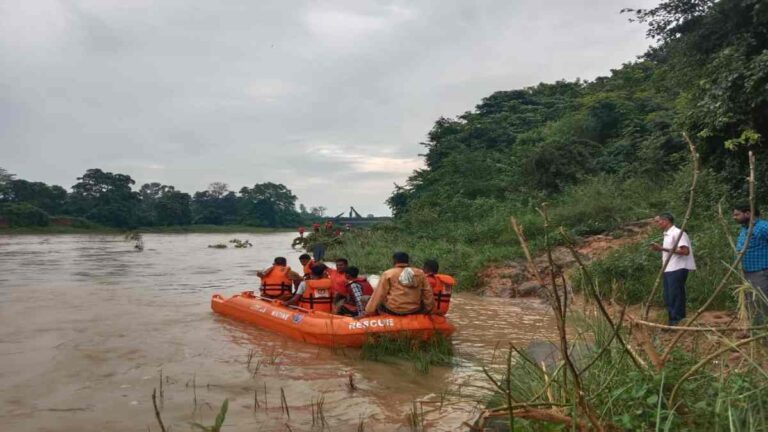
x=88, y=324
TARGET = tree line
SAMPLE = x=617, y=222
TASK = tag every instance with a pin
x=706, y=75
x=109, y=199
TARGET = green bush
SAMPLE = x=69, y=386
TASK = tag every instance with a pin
x=604, y=203
x=23, y=215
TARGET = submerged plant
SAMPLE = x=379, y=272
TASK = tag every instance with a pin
x=218, y=423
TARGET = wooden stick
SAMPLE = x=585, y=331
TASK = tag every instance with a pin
x=688, y=211
x=735, y=264
x=601, y=307
x=695, y=329
x=157, y=412
x=550, y=416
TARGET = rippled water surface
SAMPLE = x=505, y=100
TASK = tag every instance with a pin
x=87, y=324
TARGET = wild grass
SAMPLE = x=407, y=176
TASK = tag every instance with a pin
x=421, y=354
x=721, y=397
x=218, y=422
x=599, y=381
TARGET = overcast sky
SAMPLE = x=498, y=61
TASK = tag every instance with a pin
x=329, y=98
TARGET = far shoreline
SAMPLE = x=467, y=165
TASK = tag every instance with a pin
x=175, y=229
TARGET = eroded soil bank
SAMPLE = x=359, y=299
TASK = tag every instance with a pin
x=515, y=279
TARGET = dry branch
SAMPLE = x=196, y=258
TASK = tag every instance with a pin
x=707, y=359
x=560, y=313
x=688, y=211
x=735, y=263
x=549, y=416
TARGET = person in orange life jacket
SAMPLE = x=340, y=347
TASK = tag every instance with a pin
x=315, y=292
x=441, y=285
x=358, y=291
x=278, y=280
x=402, y=290
x=307, y=262
x=337, y=275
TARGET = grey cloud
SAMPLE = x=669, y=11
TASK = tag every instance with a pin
x=188, y=93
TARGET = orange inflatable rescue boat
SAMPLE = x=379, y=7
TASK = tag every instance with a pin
x=321, y=328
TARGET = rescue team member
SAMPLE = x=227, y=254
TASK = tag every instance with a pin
x=278, y=279
x=315, y=292
x=307, y=262
x=301, y=231
x=402, y=290
x=337, y=275
x=441, y=284
x=356, y=293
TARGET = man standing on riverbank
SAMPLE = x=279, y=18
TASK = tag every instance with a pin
x=676, y=243
x=755, y=260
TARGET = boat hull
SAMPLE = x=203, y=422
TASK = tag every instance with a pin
x=322, y=328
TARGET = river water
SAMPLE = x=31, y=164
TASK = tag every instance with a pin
x=88, y=324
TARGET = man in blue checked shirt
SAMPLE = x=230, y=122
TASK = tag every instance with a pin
x=755, y=260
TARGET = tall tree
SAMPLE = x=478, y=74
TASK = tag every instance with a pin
x=151, y=194
x=268, y=204
x=50, y=199
x=105, y=198
x=173, y=208
x=5, y=181
x=217, y=205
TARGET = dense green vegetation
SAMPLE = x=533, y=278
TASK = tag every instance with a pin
x=108, y=200
x=601, y=153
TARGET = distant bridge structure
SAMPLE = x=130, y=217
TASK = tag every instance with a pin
x=355, y=219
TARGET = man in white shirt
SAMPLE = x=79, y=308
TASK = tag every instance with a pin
x=676, y=272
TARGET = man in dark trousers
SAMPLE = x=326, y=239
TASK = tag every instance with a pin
x=676, y=243
x=755, y=260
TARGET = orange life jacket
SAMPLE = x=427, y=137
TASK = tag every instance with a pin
x=442, y=285
x=275, y=282
x=308, y=268
x=317, y=295
x=339, y=281
x=350, y=304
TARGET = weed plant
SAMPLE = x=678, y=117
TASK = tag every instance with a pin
x=633, y=399
x=422, y=354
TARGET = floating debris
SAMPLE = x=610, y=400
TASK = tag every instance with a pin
x=241, y=243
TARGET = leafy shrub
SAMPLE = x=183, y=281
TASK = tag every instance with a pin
x=23, y=215
x=604, y=203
